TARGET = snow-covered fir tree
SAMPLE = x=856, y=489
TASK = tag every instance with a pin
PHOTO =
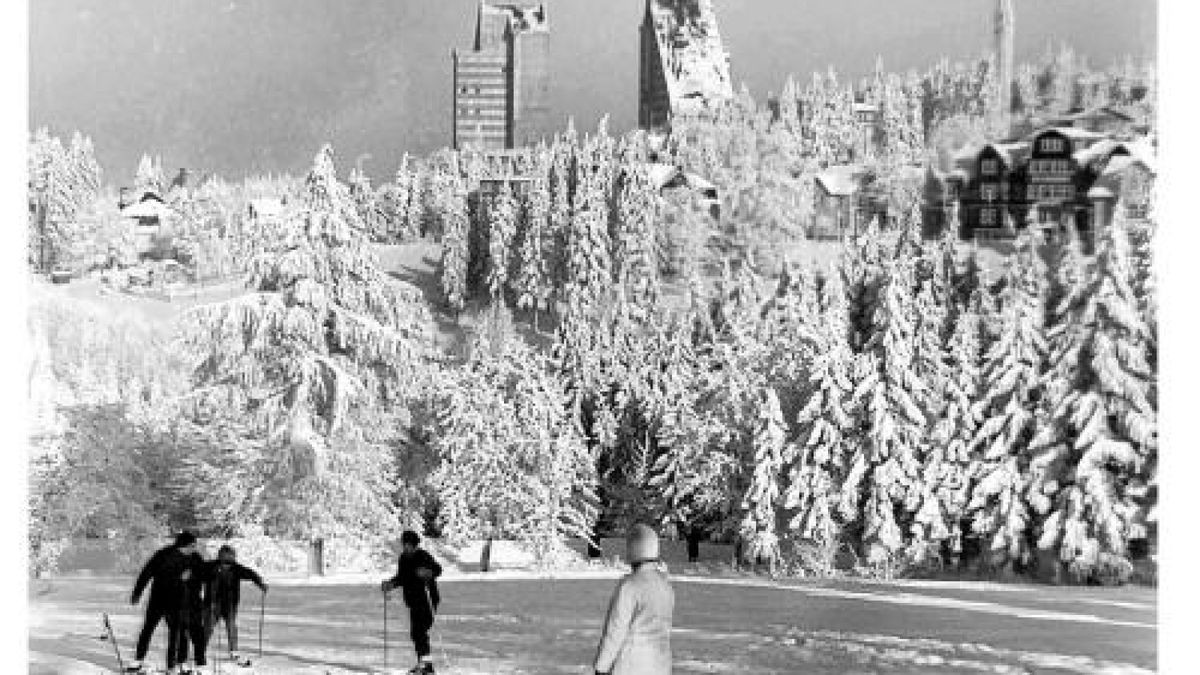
x=884, y=485
x=825, y=432
x=285, y=374
x=533, y=283
x=455, y=239
x=503, y=214
x=1098, y=451
x=1013, y=368
x=762, y=497
x=511, y=450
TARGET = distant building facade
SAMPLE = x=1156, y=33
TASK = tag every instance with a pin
x=502, y=83
x=1045, y=180
x=683, y=64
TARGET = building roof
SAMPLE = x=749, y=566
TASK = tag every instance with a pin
x=1010, y=153
x=266, y=206
x=663, y=175
x=1097, y=153
x=147, y=208
x=865, y=107
x=840, y=180
x=1070, y=132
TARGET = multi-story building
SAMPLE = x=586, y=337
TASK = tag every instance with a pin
x=684, y=65
x=501, y=84
x=1044, y=180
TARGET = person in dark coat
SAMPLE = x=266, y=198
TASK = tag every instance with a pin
x=417, y=575
x=191, y=610
x=166, y=572
x=224, y=577
x=637, y=628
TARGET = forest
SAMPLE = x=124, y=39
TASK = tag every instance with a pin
x=624, y=355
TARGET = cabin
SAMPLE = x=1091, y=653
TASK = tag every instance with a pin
x=668, y=178
x=148, y=217
x=837, y=203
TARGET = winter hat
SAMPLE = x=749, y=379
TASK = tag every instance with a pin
x=642, y=544
x=184, y=538
x=410, y=537
x=226, y=548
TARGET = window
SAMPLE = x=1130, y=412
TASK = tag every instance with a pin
x=988, y=167
x=1052, y=145
x=989, y=192
x=1031, y=193
x=987, y=217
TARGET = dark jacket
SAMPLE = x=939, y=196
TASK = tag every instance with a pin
x=193, y=595
x=224, y=584
x=164, y=573
x=414, y=587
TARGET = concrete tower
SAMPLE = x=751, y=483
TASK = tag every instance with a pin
x=501, y=84
x=1004, y=58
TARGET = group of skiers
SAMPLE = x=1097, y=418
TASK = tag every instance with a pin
x=193, y=595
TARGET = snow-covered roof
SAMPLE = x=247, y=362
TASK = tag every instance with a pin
x=1097, y=152
x=840, y=180
x=149, y=208
x=266, y=206
x=1010, y=153
x=865, y=107
x=662, y=175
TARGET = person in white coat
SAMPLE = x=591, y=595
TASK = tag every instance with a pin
x=637, y=630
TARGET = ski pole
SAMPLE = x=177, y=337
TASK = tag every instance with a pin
x=112, y=636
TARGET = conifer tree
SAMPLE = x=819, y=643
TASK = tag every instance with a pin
x=509, y=445
x=1012, y=368
x=885, y=475
x=415, y=221
x=762, y=497
x=1097, y=454
x=455, y=240
x=825, y=429
x=149, y=176
x=285, y=375
x=636, y=255
x=533, y=283
x=502, y=229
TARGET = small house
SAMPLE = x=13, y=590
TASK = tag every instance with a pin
x=836, y=202
x=148, y=217
x=668, y=178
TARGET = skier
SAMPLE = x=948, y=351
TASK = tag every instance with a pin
x=417, y=574
x=168, y=569
x=223, y=578
x=191, y=613
x=637, y=629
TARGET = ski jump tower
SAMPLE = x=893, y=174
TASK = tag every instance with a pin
x=684, y=65
x=1004, y=30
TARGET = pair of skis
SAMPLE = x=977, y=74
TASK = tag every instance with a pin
x=112, y=636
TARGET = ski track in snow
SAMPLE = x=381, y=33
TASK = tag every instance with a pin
x=929, y=601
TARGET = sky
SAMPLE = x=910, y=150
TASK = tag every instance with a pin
x=255, y=86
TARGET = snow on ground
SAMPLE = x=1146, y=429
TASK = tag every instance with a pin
x=504, y=623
